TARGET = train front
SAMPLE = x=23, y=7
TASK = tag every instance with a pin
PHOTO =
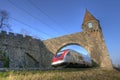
x=58, y=59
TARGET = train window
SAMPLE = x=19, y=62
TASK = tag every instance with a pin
x=58, y=54
x=68, y=54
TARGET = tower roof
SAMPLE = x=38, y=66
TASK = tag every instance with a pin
x=88, y=16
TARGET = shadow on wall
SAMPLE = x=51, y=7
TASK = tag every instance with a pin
x=94, y=64
x=46, y=57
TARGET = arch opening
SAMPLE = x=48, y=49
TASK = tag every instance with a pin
x=78, y=48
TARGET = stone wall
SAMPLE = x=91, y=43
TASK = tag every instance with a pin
x=24, y=52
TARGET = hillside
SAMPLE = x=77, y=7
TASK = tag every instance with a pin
x=67, y=74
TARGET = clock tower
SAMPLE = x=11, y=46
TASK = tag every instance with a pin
x=90, y=23
x=95, y=41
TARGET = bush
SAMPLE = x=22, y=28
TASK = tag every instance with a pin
x=4, y=59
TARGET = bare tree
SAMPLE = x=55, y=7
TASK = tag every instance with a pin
x=4, y=16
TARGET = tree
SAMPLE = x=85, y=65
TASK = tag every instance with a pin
x=4, y=16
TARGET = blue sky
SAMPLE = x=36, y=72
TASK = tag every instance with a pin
x=52, y=18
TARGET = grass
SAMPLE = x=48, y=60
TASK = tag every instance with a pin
x=68, y=74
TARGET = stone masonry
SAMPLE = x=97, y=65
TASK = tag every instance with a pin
x=24, y=52
x=27, y=52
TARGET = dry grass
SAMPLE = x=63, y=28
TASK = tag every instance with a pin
x=69, y=74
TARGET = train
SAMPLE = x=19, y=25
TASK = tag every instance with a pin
x=68, y=58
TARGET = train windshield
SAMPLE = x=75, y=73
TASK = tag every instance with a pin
x=58, y=54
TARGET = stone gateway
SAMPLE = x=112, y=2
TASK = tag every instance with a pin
x=26, y=52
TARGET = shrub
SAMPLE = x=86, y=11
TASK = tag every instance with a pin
x=4, y=59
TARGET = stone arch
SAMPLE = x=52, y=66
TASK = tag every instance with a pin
x=86, y=48
x=55, y=43
x=67, y=44
x=94, y=46
x=91, y=39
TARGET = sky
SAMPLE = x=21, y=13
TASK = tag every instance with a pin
x=46, y=19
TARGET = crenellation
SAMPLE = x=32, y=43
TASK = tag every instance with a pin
x=10, y=34
x=29, y=38
x=3, y=34
x=19, y=36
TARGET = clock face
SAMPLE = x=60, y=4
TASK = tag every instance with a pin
x=90, y=25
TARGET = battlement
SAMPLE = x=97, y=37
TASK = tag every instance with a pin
x=4, y=34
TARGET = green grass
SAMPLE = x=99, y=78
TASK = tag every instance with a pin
x=68, y=74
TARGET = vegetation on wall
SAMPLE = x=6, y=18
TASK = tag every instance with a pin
x=4, y=59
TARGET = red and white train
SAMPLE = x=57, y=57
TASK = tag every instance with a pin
x=69, y=57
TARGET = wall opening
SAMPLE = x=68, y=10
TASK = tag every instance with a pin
x=79, y=49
